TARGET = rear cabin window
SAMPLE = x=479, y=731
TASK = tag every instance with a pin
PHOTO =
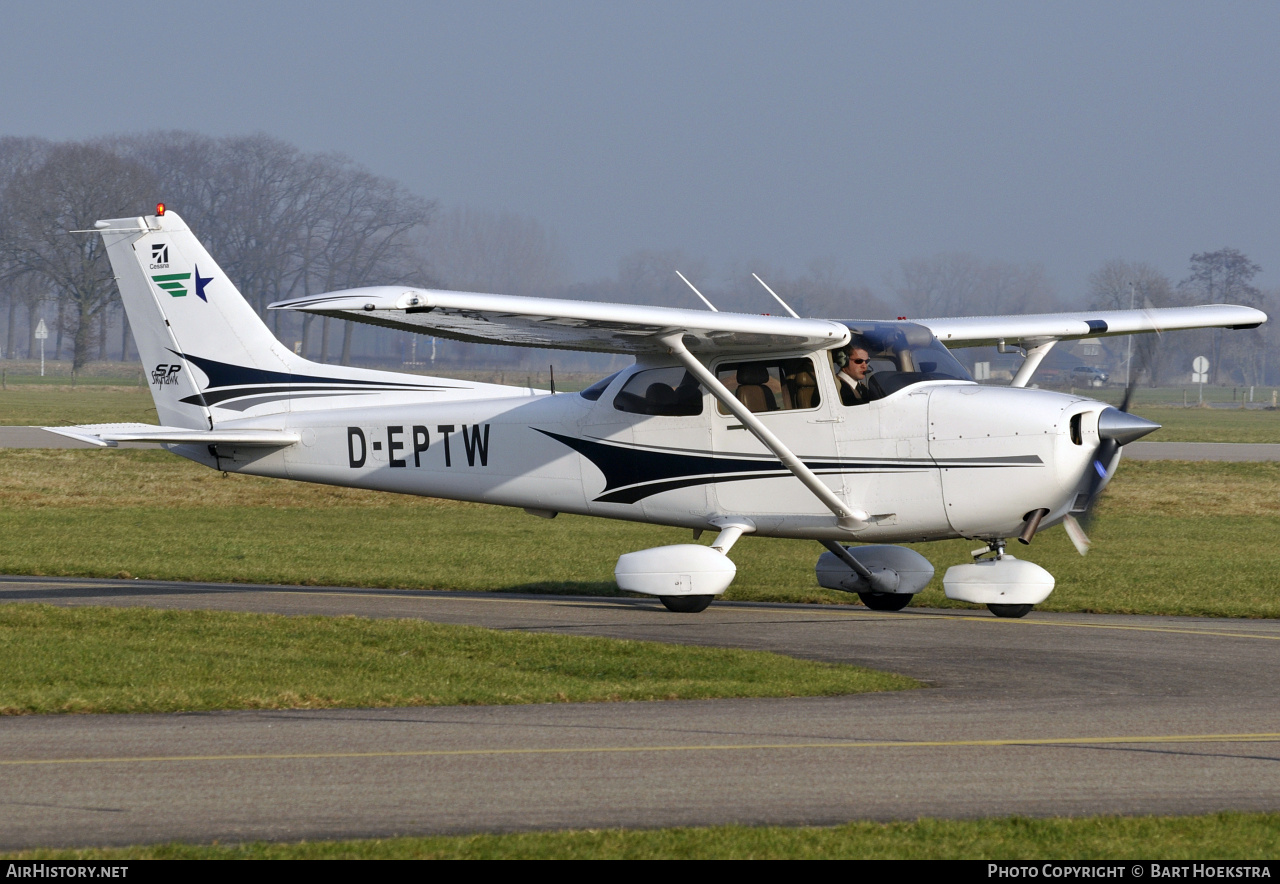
x=771, y=385
x=668, y=391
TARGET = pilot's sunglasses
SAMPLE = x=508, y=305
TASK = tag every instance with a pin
x=859, y=361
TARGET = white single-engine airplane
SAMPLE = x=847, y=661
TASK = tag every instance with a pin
x=727, y=422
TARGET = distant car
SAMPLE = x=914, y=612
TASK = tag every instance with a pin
x=1088, y=376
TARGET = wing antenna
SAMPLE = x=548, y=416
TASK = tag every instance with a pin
x=784, y=304
x=698, y=293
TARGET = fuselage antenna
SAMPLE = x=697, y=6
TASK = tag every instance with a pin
x=698, y=293
x=784, y=304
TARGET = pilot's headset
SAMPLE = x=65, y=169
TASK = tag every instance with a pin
x=841, y=356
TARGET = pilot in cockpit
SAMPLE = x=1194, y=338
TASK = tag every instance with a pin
x=853, y=375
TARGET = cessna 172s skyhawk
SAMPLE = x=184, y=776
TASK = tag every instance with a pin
x=726, y=422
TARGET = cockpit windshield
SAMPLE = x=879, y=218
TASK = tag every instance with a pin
x=901, y=354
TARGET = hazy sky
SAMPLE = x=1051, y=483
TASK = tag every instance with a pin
x=771, y=133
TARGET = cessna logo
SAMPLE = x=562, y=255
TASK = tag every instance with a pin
x=173, y=283
x=159, y=256
x=165, y=374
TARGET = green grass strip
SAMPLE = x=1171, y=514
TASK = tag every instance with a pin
x=1220, y=836
x=141, y=660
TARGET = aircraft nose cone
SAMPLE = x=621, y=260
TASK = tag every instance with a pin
x=1123, y=428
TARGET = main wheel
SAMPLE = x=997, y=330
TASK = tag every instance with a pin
x=686, y=604
x=1010, y=610
x=885, y=601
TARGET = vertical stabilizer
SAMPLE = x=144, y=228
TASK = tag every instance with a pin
x=187, y=317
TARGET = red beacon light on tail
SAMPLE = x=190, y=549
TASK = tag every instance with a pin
x=159, y=210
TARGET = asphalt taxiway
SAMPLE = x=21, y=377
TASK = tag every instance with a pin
x=1052, y=714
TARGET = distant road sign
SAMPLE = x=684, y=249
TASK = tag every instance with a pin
x=1199, y=370
x=42, y=331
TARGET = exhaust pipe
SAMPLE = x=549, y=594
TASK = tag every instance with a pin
x=1032, y=524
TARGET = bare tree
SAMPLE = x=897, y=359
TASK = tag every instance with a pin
x=1121, y=285
x=955, y=284
x=823, y=290
x=18, y=157
x=1224, y=277
x=77, y=184
x=502, y=252
x=284, y=223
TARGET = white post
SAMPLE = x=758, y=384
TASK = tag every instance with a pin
x=42, y=332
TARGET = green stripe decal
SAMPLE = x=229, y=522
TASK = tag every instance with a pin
x=172, y=283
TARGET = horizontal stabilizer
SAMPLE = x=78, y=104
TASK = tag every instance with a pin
x=110, y=435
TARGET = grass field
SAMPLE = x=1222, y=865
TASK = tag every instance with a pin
x=139, y=660
x=1219, y=836
x=1164, y=533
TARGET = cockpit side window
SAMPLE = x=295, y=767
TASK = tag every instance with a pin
x=898, y=355
x=667, y=391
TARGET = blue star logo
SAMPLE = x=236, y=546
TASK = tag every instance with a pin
x=201, y=282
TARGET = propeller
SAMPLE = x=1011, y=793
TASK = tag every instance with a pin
x=1116, y=427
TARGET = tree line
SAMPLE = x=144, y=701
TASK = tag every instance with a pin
x=285, y=223
x=280, y=222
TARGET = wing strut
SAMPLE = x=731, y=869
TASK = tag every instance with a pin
x=1035, y=356
x=846, y=517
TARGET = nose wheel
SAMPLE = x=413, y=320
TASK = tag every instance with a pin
x=686, y=604
x=1013, y=611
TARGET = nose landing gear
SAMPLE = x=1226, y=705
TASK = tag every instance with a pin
x=1008, y=586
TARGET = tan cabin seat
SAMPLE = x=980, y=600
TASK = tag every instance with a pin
x=752, y=391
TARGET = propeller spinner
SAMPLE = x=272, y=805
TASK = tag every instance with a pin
x=1116, y=427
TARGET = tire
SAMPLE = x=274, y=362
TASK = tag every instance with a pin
x=686, y=604
x=885, y=601
x=1010, y=610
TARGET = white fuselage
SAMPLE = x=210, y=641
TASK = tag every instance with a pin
x=935, y=460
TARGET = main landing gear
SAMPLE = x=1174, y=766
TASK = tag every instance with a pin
x=885, y=601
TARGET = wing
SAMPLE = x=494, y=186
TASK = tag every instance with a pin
x=566, y=325
x=1035, y=329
